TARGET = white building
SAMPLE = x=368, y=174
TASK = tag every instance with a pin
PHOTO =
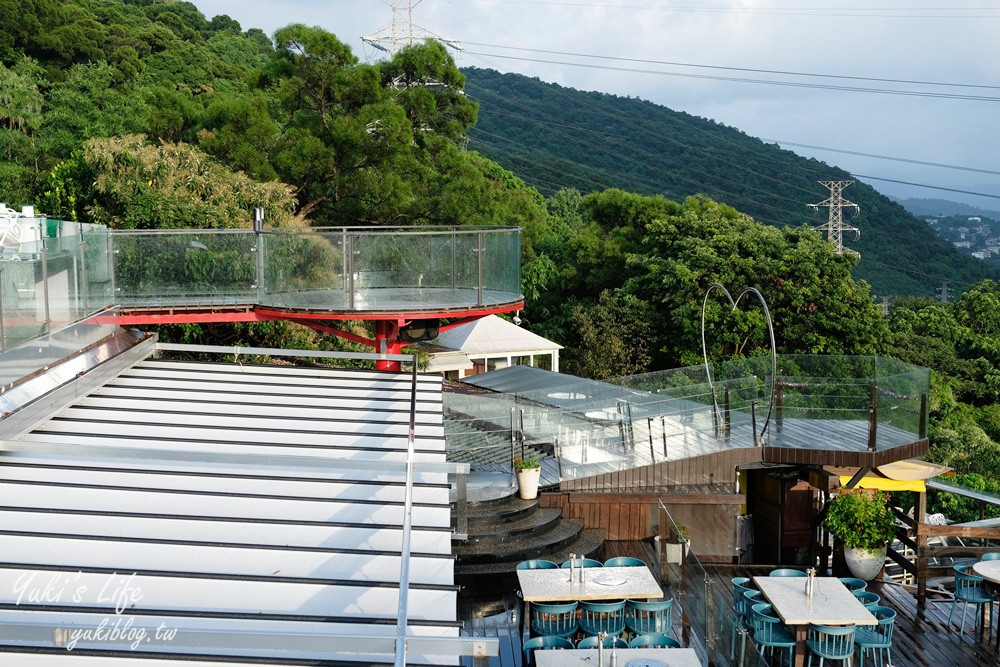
x=487, y=344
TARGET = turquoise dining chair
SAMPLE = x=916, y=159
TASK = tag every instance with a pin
x=558, y=620
x=592, y=641
x=786, y=572
x=992, y=555
x=649, y=617
x=598, y=617
x=877, y=638
x=582, y=562
x=654, y=640
x=769, y=633
x=854, y=584
x=830, y=642
x=624, y=561
x=743, y=598
x=969, y=589
x=547, y=642
x=536, y=564
x=868, y=599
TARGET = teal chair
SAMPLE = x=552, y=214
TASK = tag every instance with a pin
x=531, y=645
x=536, y=564
x=992, y=555
x=609, y=642
x=969, y=589
x=555, y=620
x=598, y=617
x=648, y=617
x=769, y=633
x=624, y=561
x=877, y=638
x=854, y=585
x=787, y=572
x=583, y=562
x=654, y=640
x=868, y=599
x=830, y=642
x=743, y=597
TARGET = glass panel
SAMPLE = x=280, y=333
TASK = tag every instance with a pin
x=196, y=269
x=305, y=270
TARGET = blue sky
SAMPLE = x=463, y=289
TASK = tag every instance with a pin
x=623, y=47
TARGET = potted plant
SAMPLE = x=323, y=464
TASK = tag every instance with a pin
x=675, y=545
x=529, y=470
x=864, y=522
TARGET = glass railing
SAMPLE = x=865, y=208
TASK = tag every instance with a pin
x=598, y=427
x=342, y=270
x=713, y=627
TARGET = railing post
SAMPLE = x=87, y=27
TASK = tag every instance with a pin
x=753, y=423
x=513, y=440
x=349, y=262
x=83, y=287
x=479, y=262
x=258, y=230
x=649, y=432
x=454, y=260
x=923, y=416
x=873, y=419
x=727, y=419
x=709, y=614
x=461, y=505
x=45, y=289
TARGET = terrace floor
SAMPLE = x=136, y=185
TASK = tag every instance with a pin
x=922, y=638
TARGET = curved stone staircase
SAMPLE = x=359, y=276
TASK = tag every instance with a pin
x=506, y=530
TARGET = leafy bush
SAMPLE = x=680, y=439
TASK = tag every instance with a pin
x=861, y=519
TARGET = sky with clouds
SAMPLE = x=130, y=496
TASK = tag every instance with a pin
x=914, y=80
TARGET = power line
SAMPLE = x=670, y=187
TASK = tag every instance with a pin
x=843, y=12
x=922, y=185
x=886, y=157
x=740, y=69
x=787, y=84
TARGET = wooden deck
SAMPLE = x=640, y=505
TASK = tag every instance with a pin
x=922, y=638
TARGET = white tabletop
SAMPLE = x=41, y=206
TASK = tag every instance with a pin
x=988, y=570
x=671, y=657
x=831, y=602
x=599, y=583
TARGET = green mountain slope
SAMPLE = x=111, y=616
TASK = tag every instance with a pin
x=555, y=137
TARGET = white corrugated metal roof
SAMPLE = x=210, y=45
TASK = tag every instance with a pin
x=268, y=562
x=493, y=335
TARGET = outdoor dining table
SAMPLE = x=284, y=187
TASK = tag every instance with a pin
x=831, y=603
x=599, y=583
x=670, y=657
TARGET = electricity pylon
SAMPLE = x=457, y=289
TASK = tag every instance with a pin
x=835, y=225
x=402, y=31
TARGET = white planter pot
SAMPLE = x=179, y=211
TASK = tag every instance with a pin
x=864, y=564
x=671, y=552
x=527, y=483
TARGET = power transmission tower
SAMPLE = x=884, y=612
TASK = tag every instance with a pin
x=943, y=291
x=402, y=31
x=885, y=306
x=835, y=225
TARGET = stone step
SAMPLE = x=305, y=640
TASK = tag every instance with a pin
x=520, y=547
x=588, y=543
x=538, y=520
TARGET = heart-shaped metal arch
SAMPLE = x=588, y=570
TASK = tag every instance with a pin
x=758, y=439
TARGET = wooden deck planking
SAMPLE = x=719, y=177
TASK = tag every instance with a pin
x=920, y=639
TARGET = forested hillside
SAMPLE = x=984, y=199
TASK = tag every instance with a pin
x=555, y=137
